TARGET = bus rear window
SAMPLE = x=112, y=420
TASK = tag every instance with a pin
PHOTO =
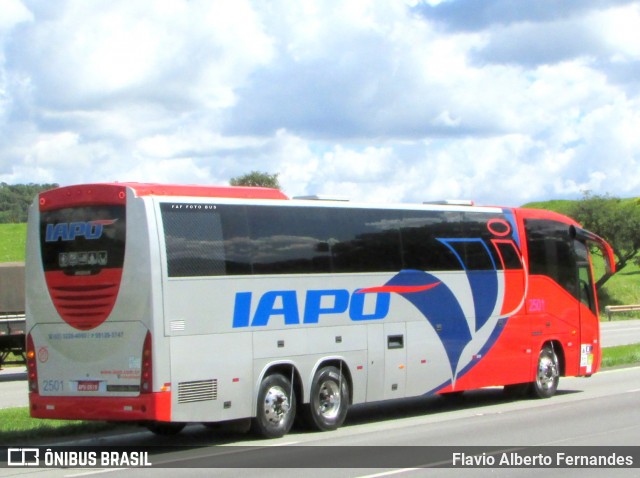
x=83, y=240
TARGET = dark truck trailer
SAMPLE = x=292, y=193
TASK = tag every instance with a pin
x=12, y=306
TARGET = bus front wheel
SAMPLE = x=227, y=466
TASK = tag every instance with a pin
x=547, y=374
x=329, y=402
x=276, y=407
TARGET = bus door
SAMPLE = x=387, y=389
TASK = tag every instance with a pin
x=588, y=311
x=395, y=359
x=590, y=347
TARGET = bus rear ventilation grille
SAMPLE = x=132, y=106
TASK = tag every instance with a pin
x=84, y=307
x=198, y=391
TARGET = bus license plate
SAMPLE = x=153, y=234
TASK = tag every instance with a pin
x=88, y=386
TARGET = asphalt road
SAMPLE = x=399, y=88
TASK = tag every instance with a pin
x=620, y=332
x=599, y=411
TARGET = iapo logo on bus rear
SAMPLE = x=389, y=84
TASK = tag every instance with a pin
x=69, y=231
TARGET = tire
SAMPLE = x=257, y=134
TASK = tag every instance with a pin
x=329, y=401
x=276, y=407
x=547, y=374
x=165, y=428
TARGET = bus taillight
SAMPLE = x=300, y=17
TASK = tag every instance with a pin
x=146, y=376
x=32, y=369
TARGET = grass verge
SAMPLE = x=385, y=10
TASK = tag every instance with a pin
x=621, y=355
x=13, y=240
x=16, y=426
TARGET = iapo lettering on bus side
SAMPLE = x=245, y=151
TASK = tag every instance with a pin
x=307, y=308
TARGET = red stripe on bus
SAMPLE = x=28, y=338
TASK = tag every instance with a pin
x=398, y=289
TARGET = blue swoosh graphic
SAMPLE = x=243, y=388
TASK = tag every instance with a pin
x=441, y=308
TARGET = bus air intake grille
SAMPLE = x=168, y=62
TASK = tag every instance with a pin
x=82, y=306
x=84, y=302
x=198, y=391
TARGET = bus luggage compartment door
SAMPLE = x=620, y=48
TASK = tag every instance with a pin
x=395, y=354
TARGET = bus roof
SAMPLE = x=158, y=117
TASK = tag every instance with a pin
x=115, y=193
x=148, y=189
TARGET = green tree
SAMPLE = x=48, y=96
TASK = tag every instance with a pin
x=617, y=221
x=257, y=178
x=15, y=200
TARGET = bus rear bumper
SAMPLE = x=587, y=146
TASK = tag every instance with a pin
x=152, y=406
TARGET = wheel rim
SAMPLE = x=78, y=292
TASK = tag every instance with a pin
x=547, y=373
x=276, y=405
x=329, y=400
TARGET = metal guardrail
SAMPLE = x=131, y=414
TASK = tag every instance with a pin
x=609, y=309
x=12, y=338
x=12, y=316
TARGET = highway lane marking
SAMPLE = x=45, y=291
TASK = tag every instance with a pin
x=233, y=450
x=95, y=472
x=390, y=472
x=615, y=370
x=426, y=466
x=572, y=439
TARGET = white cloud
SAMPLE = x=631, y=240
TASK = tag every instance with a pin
x=619, y=29
x=391, y=101
x=13, y=13
x=121, y=51
x=175, y=171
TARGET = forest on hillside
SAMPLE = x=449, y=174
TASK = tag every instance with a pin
x=16, y=198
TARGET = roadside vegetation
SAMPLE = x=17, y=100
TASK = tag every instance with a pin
x=15, y=200
x=17, y=426
x=13, y=239
x=621, y=355
x=616, y=220
x=622, y=288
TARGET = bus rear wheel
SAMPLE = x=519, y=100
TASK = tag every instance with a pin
x=547, y=374
x=276, y=407
x=329, y=401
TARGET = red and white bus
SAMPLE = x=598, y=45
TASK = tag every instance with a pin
x=166, y=304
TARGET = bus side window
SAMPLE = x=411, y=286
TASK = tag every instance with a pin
x=288, y=240
x=551, y=253
x=193, y=240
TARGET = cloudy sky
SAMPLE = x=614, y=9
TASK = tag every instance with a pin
x=500, y=101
